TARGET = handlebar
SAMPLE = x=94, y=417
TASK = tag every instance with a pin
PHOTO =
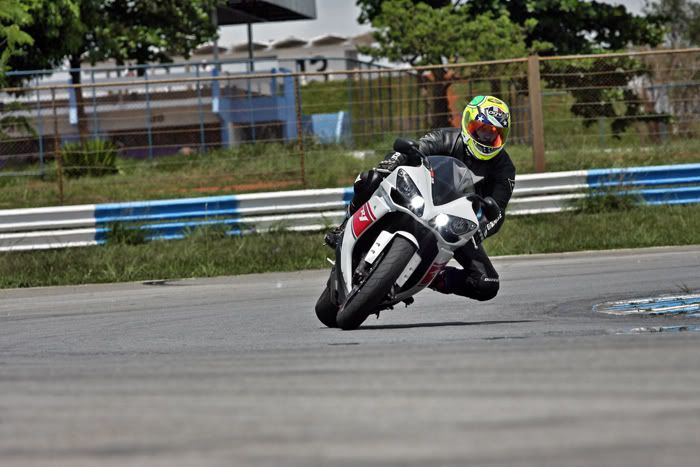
x=411, y=149
x=408, y=146
x=488, y=208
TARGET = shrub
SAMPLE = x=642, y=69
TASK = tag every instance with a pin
x=119, y=233
x=607, y=201
x=93, y=158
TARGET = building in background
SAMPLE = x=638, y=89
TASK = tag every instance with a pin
x=148, y=118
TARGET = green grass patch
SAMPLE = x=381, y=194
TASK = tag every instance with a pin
x=277, y=167
x=260, y=167
x=629, y=226
x=380, y=111
x=95, y=158
x=207, y=252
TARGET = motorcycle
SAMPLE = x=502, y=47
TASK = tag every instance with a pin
x=397, y=242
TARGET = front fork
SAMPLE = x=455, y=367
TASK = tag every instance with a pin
x=343, y=289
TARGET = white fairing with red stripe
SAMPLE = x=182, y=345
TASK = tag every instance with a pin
x=434, y=248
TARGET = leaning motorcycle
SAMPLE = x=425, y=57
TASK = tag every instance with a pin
x=395, y=244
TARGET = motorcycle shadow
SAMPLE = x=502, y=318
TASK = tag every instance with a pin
x=440, y=324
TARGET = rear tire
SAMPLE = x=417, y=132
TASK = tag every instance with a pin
x=326, y=310
x=377, y=285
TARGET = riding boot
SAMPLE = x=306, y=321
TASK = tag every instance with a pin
x=439, y=283
x=334, y=235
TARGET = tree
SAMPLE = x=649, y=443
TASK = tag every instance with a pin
x=370, y=9
x=419, y=34
x=681, y=19
x=550, y=27
x=13, y=16
x=569, y=26
x=144, y=31
x=577, y=27
x=139, y=31
x=12, y=123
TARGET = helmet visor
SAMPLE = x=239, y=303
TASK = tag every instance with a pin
x=487, y=134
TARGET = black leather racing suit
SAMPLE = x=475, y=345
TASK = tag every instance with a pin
x=478, y=278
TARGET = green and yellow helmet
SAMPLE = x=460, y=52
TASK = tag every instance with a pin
x=485, y=126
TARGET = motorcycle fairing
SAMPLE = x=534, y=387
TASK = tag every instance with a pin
x=369, y=221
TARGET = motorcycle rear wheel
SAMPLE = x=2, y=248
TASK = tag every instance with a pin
x=377, y=285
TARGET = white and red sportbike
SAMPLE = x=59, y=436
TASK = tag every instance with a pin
x=397, y=242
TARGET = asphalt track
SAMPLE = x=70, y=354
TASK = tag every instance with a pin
x=237, y=371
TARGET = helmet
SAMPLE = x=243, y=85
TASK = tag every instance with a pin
x=485, y=126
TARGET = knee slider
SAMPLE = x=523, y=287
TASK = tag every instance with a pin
x=488, y=288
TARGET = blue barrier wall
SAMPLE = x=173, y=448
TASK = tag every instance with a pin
x=655, y=175
x=312, y=209
x=225, y=210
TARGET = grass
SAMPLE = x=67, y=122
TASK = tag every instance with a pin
x=614, y=155
x=275, y=167
x=626, y=227
x=262, y=167
x=204, y=254
x=208, y=253
x=379, y=115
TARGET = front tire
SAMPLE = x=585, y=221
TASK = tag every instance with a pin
x=326, y=310
x=377, y=285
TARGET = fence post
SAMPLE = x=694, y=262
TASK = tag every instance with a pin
x=202, y=139
x=57, y=148
x=149, y=117
x=533, y=85
x=94, y=105
x=360, y=108
x=372, y=124
x=380, y=96
x=390, y=102
x=350, y=82
x=40, y=121
x=400, y=92
x=300, y=130
x=601, y=131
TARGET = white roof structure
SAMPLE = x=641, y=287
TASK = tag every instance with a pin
x=366, y=38
x=288, y=43
x=243, y=46
x=207, y=50
x=328, y=39
x=292, y=42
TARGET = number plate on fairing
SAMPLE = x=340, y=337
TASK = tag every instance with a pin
x=410, y=269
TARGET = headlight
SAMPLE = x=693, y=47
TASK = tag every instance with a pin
x=405, y=185
x=407, y=194
x=441, y=220
x=452, y=227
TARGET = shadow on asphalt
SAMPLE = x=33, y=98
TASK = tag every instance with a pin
x=447, y=323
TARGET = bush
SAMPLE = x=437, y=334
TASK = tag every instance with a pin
x=607, y=201
x=123, y=234
x=94, y=158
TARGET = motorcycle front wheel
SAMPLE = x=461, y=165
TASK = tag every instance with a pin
x=326, y=310
x=377, y=285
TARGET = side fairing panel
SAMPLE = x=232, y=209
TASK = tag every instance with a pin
x=364, y=217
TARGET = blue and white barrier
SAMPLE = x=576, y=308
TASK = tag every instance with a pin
x=57, y=227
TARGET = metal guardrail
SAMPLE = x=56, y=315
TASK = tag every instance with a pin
x=57, y=227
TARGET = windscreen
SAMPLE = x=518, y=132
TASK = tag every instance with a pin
x=452, y=179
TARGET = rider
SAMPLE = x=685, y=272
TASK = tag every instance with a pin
x=480, y=145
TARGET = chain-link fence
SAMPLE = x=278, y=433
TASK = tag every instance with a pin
x=214, y=128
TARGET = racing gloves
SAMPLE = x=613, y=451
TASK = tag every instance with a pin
x=388, y=165
x=491, y=216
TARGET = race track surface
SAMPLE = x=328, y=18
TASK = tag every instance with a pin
x=237, y=371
